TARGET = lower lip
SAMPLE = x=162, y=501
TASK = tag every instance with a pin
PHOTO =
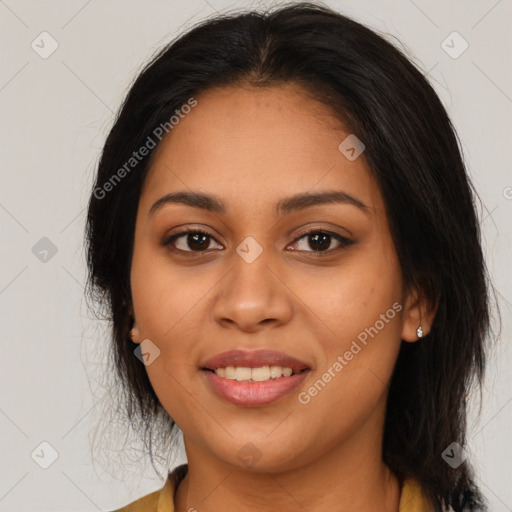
x=254, y=394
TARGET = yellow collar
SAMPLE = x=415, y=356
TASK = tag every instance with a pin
x=411, y=497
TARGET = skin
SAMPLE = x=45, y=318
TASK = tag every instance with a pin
x=251, y=148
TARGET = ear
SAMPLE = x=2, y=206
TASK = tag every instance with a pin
x=418, y=312
x=134, y=331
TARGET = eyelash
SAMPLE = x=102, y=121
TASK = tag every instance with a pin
x=344, y=242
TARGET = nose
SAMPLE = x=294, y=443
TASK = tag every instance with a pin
x=252, y=297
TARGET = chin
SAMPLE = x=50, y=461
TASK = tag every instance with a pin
x=260, y=457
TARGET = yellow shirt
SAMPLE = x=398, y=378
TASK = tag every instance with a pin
x=411, y=497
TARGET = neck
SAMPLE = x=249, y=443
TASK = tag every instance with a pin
x=348, y=477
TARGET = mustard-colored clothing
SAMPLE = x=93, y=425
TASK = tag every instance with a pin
x=411, y=497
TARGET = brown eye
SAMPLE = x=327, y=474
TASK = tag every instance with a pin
x=190, y=241
x=320, y=241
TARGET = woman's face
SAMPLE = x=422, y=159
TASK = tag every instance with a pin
x=256, y=281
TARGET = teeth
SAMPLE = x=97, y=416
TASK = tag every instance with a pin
x=261, y=374
x=242, y=373
x=275, y=372
x=287, y=372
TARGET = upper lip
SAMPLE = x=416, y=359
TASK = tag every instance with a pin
x=254, y=359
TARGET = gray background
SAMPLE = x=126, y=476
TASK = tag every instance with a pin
x=54, y=116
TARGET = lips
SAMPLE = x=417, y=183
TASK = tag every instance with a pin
x=254, y=359
x=254, y=392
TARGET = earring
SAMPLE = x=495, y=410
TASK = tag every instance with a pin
x=419, y=332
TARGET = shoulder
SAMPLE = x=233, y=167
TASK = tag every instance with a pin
x=147, y=503
x=412, y=498
x=161, y=500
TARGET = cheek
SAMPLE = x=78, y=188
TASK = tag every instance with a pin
x=164, y=295
x=167, y=304
x=361, y=306
x=351, y=381
x=352, y=297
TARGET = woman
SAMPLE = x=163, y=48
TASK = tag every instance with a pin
x=283, y=232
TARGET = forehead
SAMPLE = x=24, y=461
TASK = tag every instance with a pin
x=257, y=144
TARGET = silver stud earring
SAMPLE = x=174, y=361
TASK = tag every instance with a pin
x=419, y=332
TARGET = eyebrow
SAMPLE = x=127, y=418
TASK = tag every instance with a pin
x=283, y=207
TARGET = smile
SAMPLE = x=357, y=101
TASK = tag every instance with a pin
x=261, y=374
